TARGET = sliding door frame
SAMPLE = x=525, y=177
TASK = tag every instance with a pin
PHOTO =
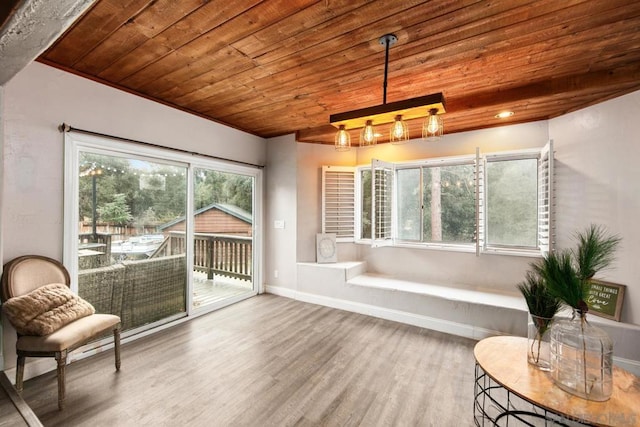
x=76, y=142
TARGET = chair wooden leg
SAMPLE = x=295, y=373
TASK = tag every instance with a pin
x=116, y=346
x=61, y=358
x=20, y=373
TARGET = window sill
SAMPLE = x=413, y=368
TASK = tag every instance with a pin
x=530, y=253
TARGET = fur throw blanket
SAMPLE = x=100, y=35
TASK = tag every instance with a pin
x=45, y=309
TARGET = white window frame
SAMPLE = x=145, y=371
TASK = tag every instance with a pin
x=75, y=142
x=487, y=248
x=436, y=162
x=545, y=202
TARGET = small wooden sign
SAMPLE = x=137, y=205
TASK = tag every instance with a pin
x=605, y=299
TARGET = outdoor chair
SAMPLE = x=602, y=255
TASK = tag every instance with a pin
x=22, y=277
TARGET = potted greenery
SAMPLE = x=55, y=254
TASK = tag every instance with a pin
x=581, y=354
x=542, y=308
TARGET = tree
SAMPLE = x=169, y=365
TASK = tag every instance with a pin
x=116, y=212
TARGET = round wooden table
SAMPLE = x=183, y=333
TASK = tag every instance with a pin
x=508, y=387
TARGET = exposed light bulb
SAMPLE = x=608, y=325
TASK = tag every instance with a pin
x=342, y=139
x=399, y=131
x=368, y=135
x=433, y=126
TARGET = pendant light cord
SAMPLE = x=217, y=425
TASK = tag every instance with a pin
x=386, y=70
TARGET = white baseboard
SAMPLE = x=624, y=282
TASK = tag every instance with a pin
x=440, y=325
x=632, y=366
x=454, y=328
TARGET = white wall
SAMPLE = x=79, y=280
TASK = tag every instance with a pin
x=40, y=98
x=598, y=181
x=280, y=203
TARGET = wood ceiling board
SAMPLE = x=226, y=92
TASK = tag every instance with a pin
x=240, y=26
x=344, y=30
x=295, y=64
x=100, y=21
x=502, y=66
x=315, y=21
x=287, y=81
x=234, y=103
x=201, y=21
x=137, y=31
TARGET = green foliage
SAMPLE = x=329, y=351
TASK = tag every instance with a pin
x=457, y=202
x=540, y=302
x=150, y=193
x=558, y=272
x=116, y=212
x=595, y=251
x=568, y=273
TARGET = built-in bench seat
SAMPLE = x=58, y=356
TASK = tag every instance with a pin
x=490, y=297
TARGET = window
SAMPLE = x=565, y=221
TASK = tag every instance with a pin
x=366, y=204
x=512, y=202
x=500, y=202
x=436, y=204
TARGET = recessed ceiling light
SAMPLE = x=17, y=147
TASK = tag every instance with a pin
x=504, y=114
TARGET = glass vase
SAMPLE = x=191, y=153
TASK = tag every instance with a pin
x=581, y=358
x=538, y=349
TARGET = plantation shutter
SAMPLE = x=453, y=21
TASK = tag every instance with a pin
x=382, y=200
x=338, y=202
x=545, y=199
x=480, y=203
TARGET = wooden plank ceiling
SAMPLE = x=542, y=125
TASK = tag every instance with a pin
x=275, y=67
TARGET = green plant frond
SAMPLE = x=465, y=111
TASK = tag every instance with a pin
x=562, y=280
x=539, y=301
x=595, y=251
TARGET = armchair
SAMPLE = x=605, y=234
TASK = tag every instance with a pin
x=25, y=274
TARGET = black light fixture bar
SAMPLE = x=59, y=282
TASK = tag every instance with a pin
x=404, y=107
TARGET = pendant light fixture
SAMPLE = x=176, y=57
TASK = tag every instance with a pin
x=394, y=113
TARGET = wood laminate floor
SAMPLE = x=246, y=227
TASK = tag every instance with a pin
x=271, y=361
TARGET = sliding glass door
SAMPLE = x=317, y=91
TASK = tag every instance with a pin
x=126, y=264
x=152, y=235
x=223, y=221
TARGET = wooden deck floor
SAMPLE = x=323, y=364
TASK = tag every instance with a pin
x=211, y=291
x=271, y=361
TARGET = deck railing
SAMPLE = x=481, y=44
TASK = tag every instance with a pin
x=94, y=250
x=219, y=254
